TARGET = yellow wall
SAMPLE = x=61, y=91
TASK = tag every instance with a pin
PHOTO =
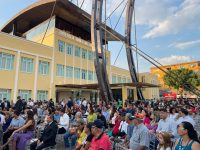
x=195, y=66
x=37, y=51
x=20, y=47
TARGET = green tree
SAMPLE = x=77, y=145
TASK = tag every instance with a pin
x=180, y=77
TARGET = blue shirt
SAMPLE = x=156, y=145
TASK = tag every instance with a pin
x=19, y=122
x=56, y=117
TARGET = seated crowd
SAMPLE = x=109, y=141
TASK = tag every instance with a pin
x=83, y=125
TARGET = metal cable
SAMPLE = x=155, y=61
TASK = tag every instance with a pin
x=113, y=11
x=121, y=15
x=119, y=53
x=82, y=3
x=143, y=55
x=49, y=21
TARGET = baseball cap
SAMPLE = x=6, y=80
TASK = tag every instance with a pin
x=98, y=110
x=97, y=123
x=138, y=116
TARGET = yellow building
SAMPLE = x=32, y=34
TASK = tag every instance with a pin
x=36, y=66
x=194, y=65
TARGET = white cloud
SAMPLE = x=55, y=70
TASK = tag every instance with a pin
x=183, y=45
x=185, y=17
x=174, y=59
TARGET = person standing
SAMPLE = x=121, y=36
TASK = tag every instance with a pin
x=5, y=105
x=19, y=104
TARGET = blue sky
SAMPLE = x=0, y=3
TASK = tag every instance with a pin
x=167, y=30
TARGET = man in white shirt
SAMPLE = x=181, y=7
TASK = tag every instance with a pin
x=123, y=126
x=185, y=117
x=166, y=124
x=30, y=103
x=2, y=119
x=63, y=123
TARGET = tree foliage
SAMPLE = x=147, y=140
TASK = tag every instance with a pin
x=181, y=77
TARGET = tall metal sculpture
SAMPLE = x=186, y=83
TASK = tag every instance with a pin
x=128, y=26
x=96, y=37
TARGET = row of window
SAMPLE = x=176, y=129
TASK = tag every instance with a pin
x=25, y=94
x=77, y=73
x=75, y=50
x=119, y=79
x=26, y=64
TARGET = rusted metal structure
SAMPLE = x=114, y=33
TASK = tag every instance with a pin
x=96, y=38
x=132, y=68
x=97, y=46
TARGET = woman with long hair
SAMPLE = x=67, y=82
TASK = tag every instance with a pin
x=189, y=139
x=154, y=122
x=164, y=141
x=92, y=115
x=88, y=139
x=23, y=134
x=146, y=119
x=173, y=113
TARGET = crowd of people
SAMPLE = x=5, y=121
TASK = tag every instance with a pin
x=83, y=125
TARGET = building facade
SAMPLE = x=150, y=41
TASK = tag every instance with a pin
x=194, y=65
x=31, y=64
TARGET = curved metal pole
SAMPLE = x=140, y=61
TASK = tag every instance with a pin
x=133, y=73
x=99, y=61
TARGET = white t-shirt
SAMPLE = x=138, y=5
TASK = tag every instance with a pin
x=2, y=119
x=123, y=126
x=186, y=118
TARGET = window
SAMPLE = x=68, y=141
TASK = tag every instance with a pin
x=42, y=95
x=5, y=93
x=90, y=55
x=90, y=75
x=6, y=61
x=124, y=80
x=95, y=76
x=114, y=79
x=84, y=74
x=69, y=72
x=25, y=94
x=43, y=67
x=84, y=54
x=61, y=46
x=69, y=49
x=26, y=65
x=129, y=80
x=60, y=70
x=119, y=79
x=77, y=51
x=77, y=73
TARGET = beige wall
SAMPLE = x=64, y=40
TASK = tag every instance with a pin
x=34, y=81
x=15, y=79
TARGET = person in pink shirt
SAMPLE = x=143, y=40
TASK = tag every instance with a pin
x=146, y=119
x=100, y=141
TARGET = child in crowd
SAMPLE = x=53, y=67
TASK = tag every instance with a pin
x=164, y=141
